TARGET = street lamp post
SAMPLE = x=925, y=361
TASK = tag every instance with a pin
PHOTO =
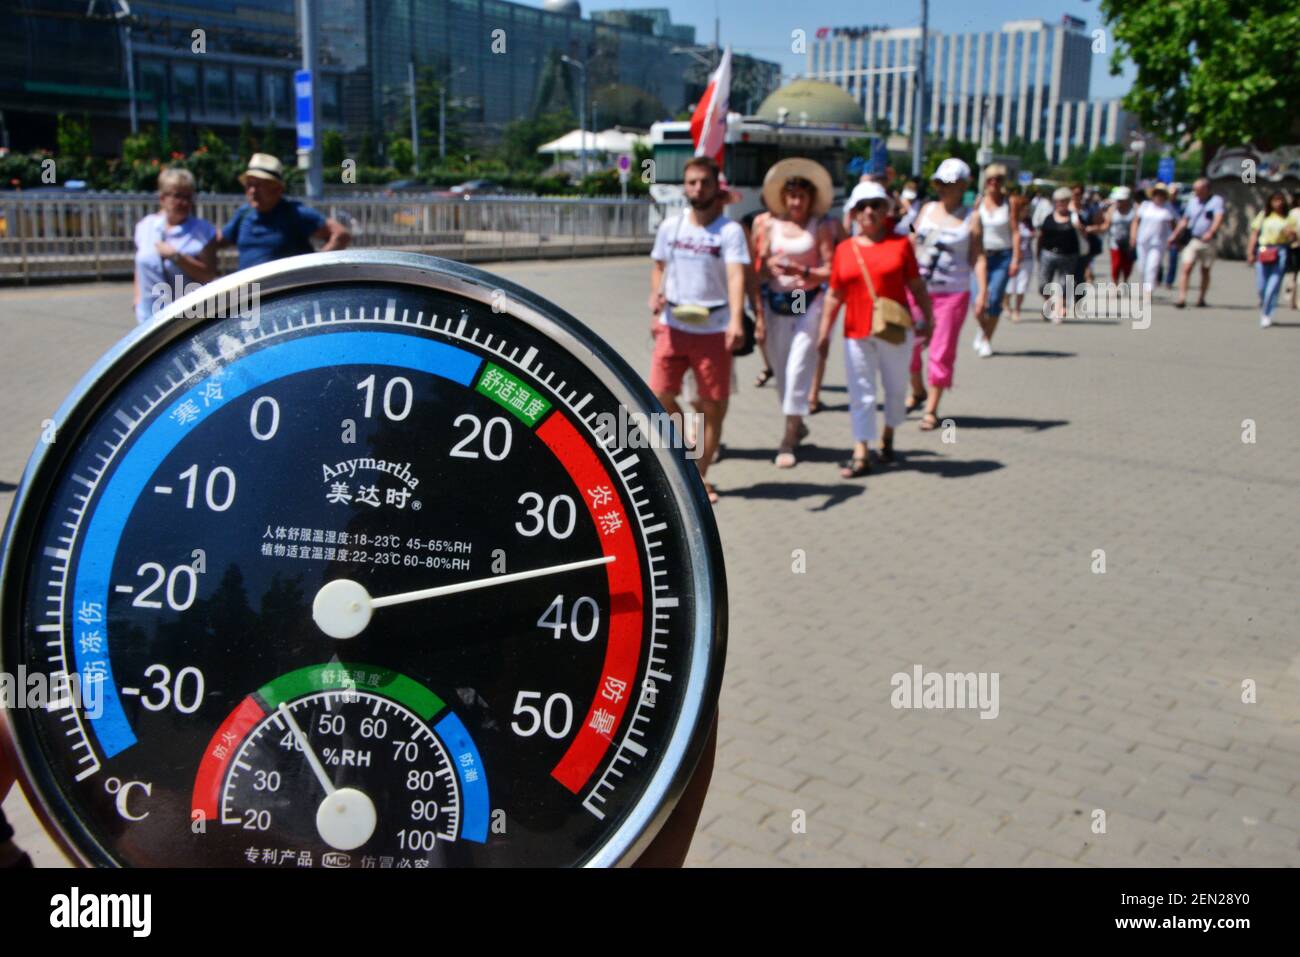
x=1138, y=147
x=918, y=123
x=309, y=159
x=582, y=107
x=123, y=15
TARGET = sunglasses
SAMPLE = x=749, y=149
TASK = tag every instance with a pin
x=188, y=197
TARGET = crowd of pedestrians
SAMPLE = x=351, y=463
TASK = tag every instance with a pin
x=905, y=271
x=904, y=268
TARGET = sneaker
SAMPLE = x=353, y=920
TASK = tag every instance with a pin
x=985, y=349
x=1265, y=322
x=978, y=342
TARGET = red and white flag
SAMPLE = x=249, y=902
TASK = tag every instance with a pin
x=709, y=122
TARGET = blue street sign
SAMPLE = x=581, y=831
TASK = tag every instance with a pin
x=879, y=158
x=1026, y=178
x=302, y=90
x=1165, y=169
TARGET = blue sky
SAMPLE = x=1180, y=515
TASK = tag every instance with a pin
x=762, y=27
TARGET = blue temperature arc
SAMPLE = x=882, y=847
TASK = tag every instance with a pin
x=188, y=411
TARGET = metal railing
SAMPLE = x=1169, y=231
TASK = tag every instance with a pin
x=92, y=236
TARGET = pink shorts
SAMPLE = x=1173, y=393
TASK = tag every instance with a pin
x=705, y=353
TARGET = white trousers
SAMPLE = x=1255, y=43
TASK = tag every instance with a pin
x=792, y=350
x=1150, y=255
x=863, y=358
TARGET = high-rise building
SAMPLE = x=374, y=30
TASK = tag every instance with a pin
x=659, y=19
x=213, y=63
x=1027, y=81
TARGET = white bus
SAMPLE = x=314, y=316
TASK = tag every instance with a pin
x=753, y=146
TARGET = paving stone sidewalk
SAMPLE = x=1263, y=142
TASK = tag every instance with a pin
x=1120, y=692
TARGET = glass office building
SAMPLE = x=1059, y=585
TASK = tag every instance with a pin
x=211, y=63
x=1028, y=80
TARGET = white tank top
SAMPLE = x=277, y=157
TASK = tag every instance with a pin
x=997, y=226
x=944, y=253
x=800, y=248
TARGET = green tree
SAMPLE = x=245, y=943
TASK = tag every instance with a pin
x=140, y=147
x=214, y=168
x=270, y=141
x=428, y=86
x=369, y=155
x=247, y=146
x=73, y=137
x=520, y=139
x=400, y=154
x=331, y=149
x=619, y=104
x=1219, y=71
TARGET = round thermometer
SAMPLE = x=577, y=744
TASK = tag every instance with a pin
x=361, y=560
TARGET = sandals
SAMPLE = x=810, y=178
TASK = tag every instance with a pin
x=815, y=406
x=785, y=459
x=855, y=468
x=915, y=402
x=764, y=378
x=929, y=423
x=887, y=452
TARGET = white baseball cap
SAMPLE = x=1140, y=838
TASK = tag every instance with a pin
x=952, y=170
x=865, y=193
x=1120, y=193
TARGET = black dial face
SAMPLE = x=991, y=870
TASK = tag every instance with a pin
x=372, y=580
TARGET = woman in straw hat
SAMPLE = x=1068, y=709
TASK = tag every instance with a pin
x=793, y=246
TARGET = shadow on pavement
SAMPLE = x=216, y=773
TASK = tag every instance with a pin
x=807, y=452
x=919, y=460
x=7, y=486
x=789, y=491
x=1003, y=422
x=1035, y=354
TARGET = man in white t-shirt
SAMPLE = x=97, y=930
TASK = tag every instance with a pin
x=697, y=296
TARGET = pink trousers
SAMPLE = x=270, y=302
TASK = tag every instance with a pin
x=950, y=310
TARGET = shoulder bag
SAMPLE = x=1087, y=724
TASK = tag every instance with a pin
x=890, y=319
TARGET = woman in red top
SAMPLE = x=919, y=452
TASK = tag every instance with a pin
x=892, y=265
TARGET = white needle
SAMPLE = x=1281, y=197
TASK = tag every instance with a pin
x=301, y=738
x=342, y=607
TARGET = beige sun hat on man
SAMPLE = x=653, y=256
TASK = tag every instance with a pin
x=797, y=167
x=263, y=166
